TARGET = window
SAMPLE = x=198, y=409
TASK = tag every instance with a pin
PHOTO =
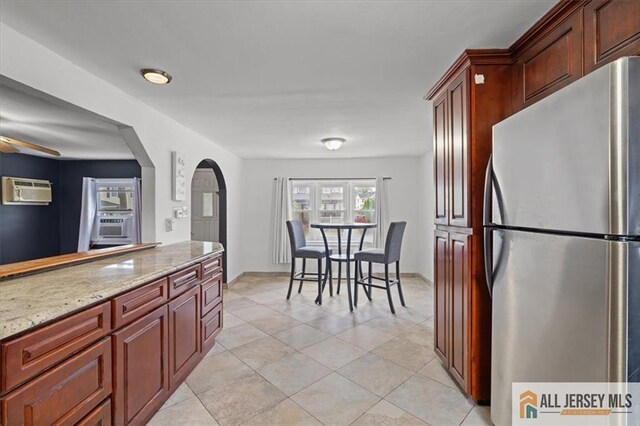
x=331, y=201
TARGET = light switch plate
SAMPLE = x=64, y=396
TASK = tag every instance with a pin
x=171, y=223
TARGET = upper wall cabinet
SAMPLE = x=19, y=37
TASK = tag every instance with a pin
x=611, y=30
x=550, y=63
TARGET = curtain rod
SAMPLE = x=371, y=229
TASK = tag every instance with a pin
x=370, y=178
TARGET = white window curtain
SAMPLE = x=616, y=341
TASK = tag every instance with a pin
x=382, y=211
x=137, y=211
x=281, y=213
x=87, y=213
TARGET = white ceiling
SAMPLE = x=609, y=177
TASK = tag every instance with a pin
x=35, y=117
x=271, y=78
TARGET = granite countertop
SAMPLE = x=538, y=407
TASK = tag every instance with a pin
x=29, y=301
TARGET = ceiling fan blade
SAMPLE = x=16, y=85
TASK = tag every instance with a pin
x=31, y=146
x=5, y=148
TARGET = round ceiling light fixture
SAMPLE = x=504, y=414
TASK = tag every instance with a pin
x=333, y=143
x=155, y=76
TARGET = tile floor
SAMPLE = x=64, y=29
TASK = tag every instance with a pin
x=280, y=362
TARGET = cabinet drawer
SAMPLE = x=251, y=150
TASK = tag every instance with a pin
x=211, y=266
x=137, y=303
x=100, y=416
x=65, y=394
x=28, y=355
x=184, y=280
x=211, y=293
x=211, y=327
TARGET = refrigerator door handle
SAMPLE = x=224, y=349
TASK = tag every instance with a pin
x=488, y=229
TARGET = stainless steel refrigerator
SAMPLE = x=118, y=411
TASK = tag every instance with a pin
x=562, y=236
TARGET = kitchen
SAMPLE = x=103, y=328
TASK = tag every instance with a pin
x=529, y=53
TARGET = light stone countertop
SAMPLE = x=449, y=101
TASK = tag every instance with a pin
x=29, y=301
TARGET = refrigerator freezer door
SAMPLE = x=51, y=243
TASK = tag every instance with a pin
x=552, y=311
x=571, y=162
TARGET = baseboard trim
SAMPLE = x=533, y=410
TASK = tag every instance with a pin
x=282, y=274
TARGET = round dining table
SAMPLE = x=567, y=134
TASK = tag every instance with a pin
x=341, y=257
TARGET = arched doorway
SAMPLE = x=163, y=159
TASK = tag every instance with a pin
x=209, y=207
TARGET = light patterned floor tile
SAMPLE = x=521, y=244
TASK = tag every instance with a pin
x=293, y=373
x=237, y=403
x=301, y=337
x=389, y=324
x=365, y=337
x=275, y=322
x=479, y=416
x=405, y=353
x=375, y=374
x=335, y=400
x=216, y=371
x=431, y=401
x=306, y=314
x=229, y=320
x=420, y=334
x=387, y=414
x=262, y=352
x=253, y=312
x=181, y=394
x=334, y=352
x=286, y=413
x=239, y=335
x=265, y=297
x=434, y=370
x=217, y=348
x=238, y=303
x=186, y=413
x=332, y=324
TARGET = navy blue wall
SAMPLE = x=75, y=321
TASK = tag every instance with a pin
x=31, y=232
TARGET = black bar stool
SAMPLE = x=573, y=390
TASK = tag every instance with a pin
x=300, y=250
x=390, y=254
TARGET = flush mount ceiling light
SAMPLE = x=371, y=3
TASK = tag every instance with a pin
x=155, y=76
x=333, y=143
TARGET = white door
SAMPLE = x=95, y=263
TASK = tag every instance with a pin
x=205, y=219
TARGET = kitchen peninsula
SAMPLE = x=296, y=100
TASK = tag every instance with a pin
x=109, y=340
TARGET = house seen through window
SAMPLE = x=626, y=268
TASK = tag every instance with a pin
x=331, y=201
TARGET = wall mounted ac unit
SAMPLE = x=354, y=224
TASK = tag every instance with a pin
x=25, y=191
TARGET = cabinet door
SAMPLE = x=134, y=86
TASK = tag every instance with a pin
x=440, y=159
x=184, y=335
x=611, y=30
x=458, y=152
x=459, y=279
x=141, y=368
x=64, y=394
x=549, y=64
x=441, y=262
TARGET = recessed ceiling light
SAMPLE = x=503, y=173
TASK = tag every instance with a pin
x=155, y=76
x=333, y=143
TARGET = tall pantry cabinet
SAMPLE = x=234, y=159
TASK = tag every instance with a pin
x=473, y=95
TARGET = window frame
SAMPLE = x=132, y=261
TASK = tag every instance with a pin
x=348, y=207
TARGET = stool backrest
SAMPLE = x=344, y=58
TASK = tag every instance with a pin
x=296, y=235
x=393, y=244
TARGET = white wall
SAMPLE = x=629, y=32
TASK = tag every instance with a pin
x=258, y=192
x=426, y=211
x=34, y=65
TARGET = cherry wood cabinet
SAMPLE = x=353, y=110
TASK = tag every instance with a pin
x=611, y=30
x=27, y=356
x=480, y=89
x=141, y=352
x=116, y=362
x=550, y=63
x=64, y=394
x=100, y=416
x=184, y=335
x=468, y=100
x=441, y=290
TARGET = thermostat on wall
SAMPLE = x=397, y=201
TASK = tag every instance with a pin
x=179, y=183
